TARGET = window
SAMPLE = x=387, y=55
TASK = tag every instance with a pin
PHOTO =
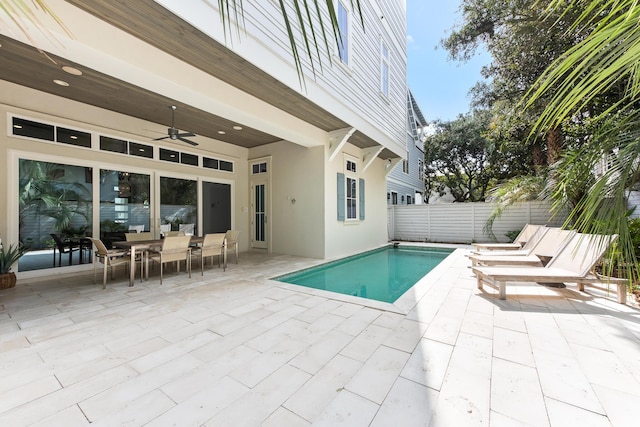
x=114, y=145
x=351, y=166
x=210, y=163
x=394, y=198
x=226, y=166
x=352, y=199
x=169, y=155
x=405, y=166
x=258, y=168
x=384, y=69
x=140, y=150
x=188, y=159
x=31, y=129
x=73, y=137
x=343, y=36
x=420, y=169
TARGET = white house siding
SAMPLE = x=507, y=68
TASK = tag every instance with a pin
x=351, y=93
x=464, y=222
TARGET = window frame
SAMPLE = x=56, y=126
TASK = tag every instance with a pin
x=385, y=68
x=343, y=46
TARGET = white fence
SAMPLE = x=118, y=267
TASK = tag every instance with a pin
x=464, y=222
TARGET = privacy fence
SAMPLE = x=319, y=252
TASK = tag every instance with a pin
x=464, y=222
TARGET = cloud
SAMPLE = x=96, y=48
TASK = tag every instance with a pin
x=410, y=39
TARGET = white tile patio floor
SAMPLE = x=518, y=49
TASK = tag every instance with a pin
x=237, y=349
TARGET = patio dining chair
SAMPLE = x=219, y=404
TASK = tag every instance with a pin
x=136, y=228
x=109, y=258
x=64, y=246
x=232, y=241
x=212, y=245
x=145, y=235
x=174, y=249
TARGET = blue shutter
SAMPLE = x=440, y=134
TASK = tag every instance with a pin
x=361, y=197
x=340, y=193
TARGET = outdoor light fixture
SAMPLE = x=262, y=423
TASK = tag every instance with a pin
x=388, y=165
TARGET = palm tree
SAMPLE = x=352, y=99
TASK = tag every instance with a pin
x=606, y=60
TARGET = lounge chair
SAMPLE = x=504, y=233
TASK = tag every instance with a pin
x=529, y=233
x=551, y=243
x=573, y=264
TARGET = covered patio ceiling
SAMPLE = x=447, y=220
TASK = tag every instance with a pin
x=26, y=66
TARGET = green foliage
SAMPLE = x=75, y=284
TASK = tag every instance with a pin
x=10, y=255
x=458, y=157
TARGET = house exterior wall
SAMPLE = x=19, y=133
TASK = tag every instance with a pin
x=302, y=165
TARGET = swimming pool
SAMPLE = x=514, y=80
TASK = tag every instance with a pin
x=383, y=274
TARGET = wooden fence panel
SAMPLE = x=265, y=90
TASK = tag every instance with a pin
x=464, y=222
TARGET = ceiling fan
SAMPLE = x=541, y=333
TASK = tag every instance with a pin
x=173, y=132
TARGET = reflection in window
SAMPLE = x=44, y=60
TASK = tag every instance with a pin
x=53, y=199
x=178, y=202
x=124, y=201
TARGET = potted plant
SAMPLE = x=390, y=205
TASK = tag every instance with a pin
x=8, y=256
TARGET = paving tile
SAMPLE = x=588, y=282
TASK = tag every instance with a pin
x=365, y=344
x=408, y=404
x=428, y=363
x=562, y=414
x=347, y=409
x=262, y=366
x=202, y=406
x=621, y=407
x=283, y=417
x=466, y=389
x=374, y=380
x=258, y=404
x=138, y=412
x=562, y=379
x=311, y=399
x=606, y=369
x=513, y=346
x=406, y=335
x=515, y=392
x=316, y=356
x=13, y=398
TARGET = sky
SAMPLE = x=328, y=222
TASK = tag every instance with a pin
x=439, y=85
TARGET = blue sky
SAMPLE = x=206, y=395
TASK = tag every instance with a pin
x=439, y=85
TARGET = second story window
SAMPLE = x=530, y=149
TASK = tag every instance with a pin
x=384, y=69
x=343, y=37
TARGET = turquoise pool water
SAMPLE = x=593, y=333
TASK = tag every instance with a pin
x=382, y=274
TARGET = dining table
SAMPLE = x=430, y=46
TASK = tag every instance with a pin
x=143, y=246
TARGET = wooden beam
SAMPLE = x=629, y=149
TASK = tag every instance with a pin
x=337, y=140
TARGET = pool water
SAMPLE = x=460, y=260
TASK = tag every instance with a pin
x=382, y=274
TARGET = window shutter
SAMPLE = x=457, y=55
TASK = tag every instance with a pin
x=341, y=199
x=361, y=197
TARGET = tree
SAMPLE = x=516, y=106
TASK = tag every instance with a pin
x=458, y=157
x=604, y=62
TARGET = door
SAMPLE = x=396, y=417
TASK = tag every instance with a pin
x=216, y=207
x=259, y=215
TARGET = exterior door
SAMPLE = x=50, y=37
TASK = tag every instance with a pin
x=259, y=215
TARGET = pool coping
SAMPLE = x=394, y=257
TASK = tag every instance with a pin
x=405, y=303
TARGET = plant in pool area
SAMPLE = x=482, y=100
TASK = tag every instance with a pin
x=9, y=256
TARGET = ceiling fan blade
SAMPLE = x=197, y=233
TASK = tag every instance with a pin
x=187, y=134
x=187, y=141
x=158, y=139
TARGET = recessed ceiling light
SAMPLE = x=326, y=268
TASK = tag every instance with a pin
x=61, y=82
x=237, y=127
x=221, y=132
x=17, y=126
x=73, y=137
x=72, y=70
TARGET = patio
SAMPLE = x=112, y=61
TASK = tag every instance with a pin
x=234, y=348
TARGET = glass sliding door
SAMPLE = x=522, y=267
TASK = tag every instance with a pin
x=55, y=213
x=179, y=204
x=124, y=203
